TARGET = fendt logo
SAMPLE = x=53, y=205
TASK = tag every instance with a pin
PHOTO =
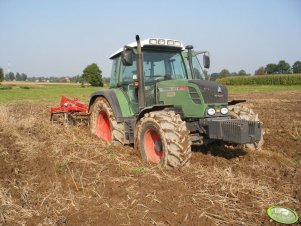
x=219, y=89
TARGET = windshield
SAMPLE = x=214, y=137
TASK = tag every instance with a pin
x=198, y=70
x=157, y=66
x=163, y=66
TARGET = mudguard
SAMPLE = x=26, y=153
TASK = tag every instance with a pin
x=157, y=107
x=233, y=102
x=111, y=97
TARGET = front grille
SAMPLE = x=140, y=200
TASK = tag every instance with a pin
x=211, y=91
x=194, y=95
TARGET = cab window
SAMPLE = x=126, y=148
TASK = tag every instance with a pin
x=114, y=72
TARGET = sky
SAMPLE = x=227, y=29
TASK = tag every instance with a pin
x=61, y=37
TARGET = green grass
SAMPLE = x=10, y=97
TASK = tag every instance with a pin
x=51, y=93
x=5, y=87
x=263, y=88
x=37, y=93
x=137, y=171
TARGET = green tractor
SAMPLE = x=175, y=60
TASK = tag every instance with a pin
x=160, y=102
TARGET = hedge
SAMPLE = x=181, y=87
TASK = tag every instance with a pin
x=290, y=79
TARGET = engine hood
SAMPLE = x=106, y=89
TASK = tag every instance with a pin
x=212, y=92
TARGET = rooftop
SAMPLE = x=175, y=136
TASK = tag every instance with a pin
x=166, y=42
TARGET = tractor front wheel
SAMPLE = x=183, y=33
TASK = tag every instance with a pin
x=103, y=122
x=162, y=137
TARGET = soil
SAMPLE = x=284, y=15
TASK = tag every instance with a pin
x=56, y=175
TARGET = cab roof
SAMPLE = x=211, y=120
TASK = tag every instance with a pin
x=154, y=42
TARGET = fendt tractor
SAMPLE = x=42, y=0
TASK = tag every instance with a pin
x=160, y=101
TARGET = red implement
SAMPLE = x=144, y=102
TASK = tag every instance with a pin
x=70, y=111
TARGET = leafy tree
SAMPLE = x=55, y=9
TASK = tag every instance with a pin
x=18, y=77
x=283, y=67
x=214, y=76
x=11, y=76
x=271, y=68
x=224, y=73
x=6, y=77
x=297, y=67
x=242, y=73
x=1, y=75
x=23, y=77
x=260, y=71
x=92, y=74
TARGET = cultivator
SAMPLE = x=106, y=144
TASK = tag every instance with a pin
x=70, y=112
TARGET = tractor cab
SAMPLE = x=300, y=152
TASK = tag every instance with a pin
x=163, y=60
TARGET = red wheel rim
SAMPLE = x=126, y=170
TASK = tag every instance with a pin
x=103, y=128
x=153, y=146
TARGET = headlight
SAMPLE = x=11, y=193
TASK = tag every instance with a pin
x=224, y=110
x=211, y=111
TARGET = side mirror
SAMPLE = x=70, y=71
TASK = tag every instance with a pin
x=127, y=56
x=206, y=61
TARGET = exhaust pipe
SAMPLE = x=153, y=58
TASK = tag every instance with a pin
x=189, y=48
x=141, y=88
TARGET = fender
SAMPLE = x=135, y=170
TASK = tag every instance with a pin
x=112, y=99
x=158, y=107
x=233, y=102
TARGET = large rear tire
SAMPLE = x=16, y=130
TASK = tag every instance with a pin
x=162, y=137
x=103, y=122
x=243, y=112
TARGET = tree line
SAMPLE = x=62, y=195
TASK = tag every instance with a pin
x=12, y=77
x=1, y=75
x=91, y=74
x=281, y=68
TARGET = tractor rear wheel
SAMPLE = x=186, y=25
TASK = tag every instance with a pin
x=103, y=122
x=162, y=137
x=242, y=112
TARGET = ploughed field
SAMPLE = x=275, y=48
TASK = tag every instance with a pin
x=56, y=175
